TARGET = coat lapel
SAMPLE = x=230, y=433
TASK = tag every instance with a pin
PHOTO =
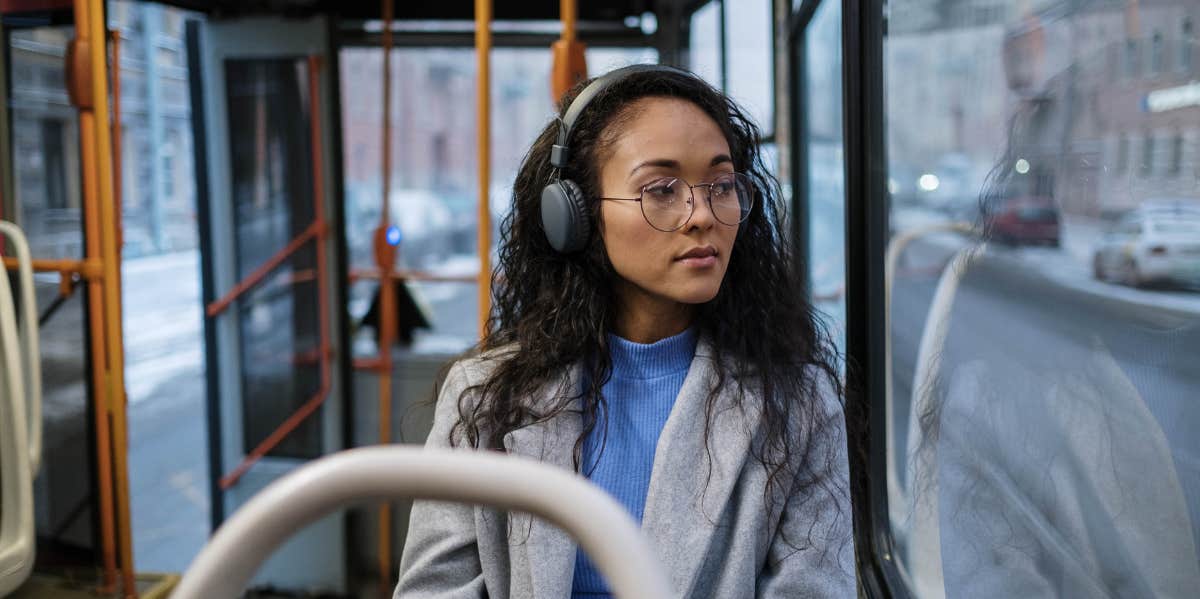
x=686, y=497
x=551, y=551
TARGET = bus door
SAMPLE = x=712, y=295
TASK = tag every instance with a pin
x=262, y=91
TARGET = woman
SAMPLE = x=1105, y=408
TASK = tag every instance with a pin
x=649, y=334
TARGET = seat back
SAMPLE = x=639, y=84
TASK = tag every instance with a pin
x=601, y=526
x=20, y=418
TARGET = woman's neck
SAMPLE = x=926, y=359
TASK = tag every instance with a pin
x=643, y=318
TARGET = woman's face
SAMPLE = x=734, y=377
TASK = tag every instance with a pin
x=665, y=138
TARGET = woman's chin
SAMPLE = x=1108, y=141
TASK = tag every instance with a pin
x=696, y=294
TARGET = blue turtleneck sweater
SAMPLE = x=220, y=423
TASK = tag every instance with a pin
x=646, y=379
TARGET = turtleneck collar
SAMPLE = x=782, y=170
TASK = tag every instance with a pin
x=664, y=357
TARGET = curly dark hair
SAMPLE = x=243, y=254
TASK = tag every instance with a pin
x=760, y=322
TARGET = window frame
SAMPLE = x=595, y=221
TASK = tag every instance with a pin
x=866, y=228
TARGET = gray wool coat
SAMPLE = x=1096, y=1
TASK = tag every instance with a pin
x=712, y=528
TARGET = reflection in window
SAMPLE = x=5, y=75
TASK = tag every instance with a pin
x=1039, y=421
x=1122, y=154
x=1176, y=155
x=1185, y=45
x=1131, y=58
x=1156, y=53
x=1146, y=167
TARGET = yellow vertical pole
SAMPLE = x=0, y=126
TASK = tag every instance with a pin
x=81, y=85
x=385, y=259
x=483, y=84
x=97, y=32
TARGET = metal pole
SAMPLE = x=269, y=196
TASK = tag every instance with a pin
x=483, y=46
x=385, y=257
x=79, y=81
x=112, y=292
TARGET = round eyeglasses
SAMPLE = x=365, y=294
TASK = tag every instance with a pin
x=668, y=203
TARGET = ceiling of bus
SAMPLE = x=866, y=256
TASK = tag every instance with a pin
x=590, y=10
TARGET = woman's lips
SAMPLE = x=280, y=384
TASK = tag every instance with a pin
x=699, y=261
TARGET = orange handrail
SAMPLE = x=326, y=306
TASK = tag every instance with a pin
x=569, y=64
x=483, y=85
x=385, y=261
x=318, y=230
x=357, y=274
x=88, y=268
x=111, y=256
x=79, y=68
x=114, y=37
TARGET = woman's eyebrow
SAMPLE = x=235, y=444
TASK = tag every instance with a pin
x=663, y=162
x=674, y=164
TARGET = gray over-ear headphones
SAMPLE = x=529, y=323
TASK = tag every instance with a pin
x=564, y=209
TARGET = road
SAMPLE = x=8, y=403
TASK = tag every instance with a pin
x=1035, y=320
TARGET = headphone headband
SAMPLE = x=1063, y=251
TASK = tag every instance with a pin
x=559, y=153
x=565, y=217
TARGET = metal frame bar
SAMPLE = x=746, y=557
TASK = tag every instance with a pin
x=723, y=42
x=207, y=278
x=316, y=230
x=798, y=129
x=337, y=223
x=541, y=41
x=89, y=94
x=866, y=333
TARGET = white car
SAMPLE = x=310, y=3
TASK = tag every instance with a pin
x=1151, y=246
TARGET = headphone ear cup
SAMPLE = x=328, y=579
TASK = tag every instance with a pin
x=564, y=216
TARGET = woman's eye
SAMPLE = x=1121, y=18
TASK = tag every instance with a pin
x=721, y=188
x=660, y=190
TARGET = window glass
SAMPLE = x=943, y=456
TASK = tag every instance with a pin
x=46, y=205
x=824, y=175
x=434, y=171
x=601, y=60
x=750, y=74
x=1044, y=300
x=271, y=160
x=1186, y=42
x=1156, y=52
x=704, y=44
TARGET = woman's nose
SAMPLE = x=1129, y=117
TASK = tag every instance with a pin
x=702, y=214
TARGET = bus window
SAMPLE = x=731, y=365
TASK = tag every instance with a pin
x=823, y=171
x=1042, y=367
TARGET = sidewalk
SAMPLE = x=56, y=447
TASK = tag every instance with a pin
x=162, y=321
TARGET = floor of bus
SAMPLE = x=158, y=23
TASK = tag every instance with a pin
x=75, y=586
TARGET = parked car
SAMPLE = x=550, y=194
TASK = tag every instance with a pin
x=1151, y=246
x=1024, y=220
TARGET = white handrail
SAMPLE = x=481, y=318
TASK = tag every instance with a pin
x=16, y=478
x=602, y=527
x=32, y=357
x=898, y=502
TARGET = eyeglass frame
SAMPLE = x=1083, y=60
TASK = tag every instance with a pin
x=692, y=193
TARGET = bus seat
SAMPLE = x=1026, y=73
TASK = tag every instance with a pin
x=602, y=527
x=20, y=424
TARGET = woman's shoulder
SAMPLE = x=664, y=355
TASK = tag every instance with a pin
x=476, y=366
